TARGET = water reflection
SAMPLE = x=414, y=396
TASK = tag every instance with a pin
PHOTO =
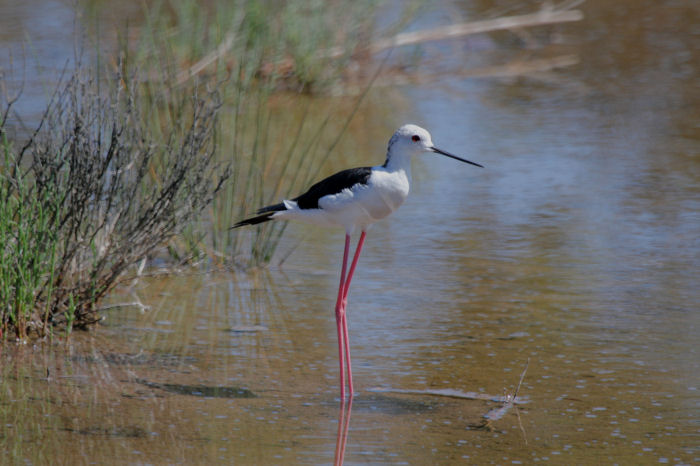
x=343, y=427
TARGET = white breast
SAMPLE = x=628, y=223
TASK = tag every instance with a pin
x=386, y=192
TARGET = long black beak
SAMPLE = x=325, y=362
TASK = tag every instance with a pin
x=447, y=154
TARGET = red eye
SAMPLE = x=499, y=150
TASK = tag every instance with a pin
x=415, y=138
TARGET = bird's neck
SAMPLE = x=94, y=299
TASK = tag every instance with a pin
x=396, y=163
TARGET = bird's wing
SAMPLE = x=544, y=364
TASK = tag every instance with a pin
x=333, y=185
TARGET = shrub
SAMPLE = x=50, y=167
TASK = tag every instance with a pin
x=96, y=187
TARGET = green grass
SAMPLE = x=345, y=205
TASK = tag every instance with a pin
x=28, y=244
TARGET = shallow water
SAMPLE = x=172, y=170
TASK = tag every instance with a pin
x=573, y=256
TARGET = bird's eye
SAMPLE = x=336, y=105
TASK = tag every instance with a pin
x=415, y=138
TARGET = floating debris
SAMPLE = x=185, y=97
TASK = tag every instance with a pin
x=448, y=392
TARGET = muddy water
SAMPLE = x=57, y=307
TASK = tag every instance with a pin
x=573, y=257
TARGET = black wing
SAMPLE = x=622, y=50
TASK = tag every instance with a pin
x=334, y=184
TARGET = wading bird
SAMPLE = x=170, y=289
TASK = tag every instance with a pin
x=354, y=199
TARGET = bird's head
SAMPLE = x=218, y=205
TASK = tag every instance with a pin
x=413, y=140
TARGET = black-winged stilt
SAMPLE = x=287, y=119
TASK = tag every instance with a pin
x=352, y=199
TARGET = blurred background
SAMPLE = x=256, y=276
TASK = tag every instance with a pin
x=572, y=257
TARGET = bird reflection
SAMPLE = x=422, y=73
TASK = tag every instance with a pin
x=343, y=425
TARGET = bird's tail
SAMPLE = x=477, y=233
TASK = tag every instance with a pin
x=267, y=213
x=254, y=220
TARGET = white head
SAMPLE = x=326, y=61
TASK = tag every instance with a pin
x=412, y=140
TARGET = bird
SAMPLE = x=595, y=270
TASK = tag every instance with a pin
x=354, y=199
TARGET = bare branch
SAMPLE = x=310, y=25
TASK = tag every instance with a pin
x=542, y=17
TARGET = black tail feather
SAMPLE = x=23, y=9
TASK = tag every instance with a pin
x=272, y=208
x=255, y=220
x=267, y=213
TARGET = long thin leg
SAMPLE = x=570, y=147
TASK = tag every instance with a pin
x=348, y=362
x=358, y=250
x=344, y=304
x=339, y=316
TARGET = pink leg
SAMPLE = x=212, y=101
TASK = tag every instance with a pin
x=358, y=250
x=344, y=303
x=340, y=316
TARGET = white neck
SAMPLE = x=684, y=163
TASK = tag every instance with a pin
x=398, y=162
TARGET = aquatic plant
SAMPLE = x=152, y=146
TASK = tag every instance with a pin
x=28, y=241
x=93, y=190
